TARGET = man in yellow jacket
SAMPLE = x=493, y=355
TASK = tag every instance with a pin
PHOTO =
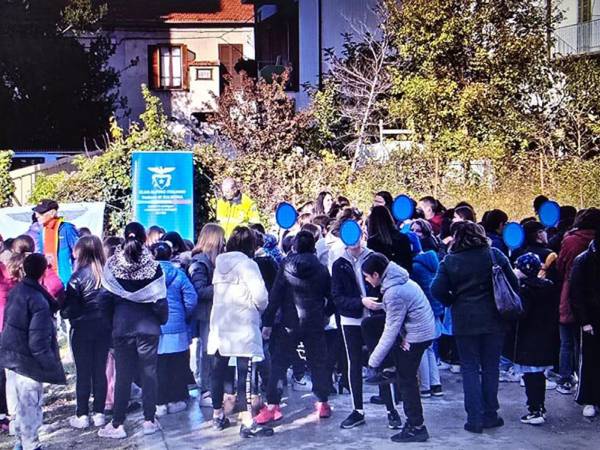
x=235, y=208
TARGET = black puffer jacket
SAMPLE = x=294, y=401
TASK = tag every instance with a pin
x=28, y=344
x=201, y=271
x=533, y=340
x=83, y=306
x=301, y=289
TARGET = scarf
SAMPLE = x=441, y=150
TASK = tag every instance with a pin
x=118, y=274
x=51, y=239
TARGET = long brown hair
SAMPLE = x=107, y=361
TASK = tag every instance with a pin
x=467, y=235
x=89, y=252
x=211, y=241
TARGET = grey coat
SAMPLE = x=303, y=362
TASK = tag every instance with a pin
x=408, y=313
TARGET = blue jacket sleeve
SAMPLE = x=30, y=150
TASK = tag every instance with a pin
x=188, y=293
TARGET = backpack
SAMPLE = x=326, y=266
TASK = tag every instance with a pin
x=507, y=300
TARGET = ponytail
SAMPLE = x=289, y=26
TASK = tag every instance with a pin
x=135, y=237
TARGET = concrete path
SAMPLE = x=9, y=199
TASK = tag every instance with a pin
x=565, y=428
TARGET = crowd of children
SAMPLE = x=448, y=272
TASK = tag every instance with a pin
x=231, y=315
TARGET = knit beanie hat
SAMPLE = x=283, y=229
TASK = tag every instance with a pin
x=529, y=264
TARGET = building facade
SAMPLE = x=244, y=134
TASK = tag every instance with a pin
x=298, y=33
x=579, y=31
x=182, y=50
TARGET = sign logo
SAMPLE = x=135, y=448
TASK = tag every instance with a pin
x=161, y=178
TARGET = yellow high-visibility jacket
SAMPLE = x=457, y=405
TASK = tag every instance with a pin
x=231, y=214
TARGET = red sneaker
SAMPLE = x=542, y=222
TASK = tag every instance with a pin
x=323, y=409
x=267, y=415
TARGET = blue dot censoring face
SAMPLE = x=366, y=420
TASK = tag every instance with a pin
x=549, y=213
x=350, y=233
x=403, y=208
x=513, y=235
x=286, y=215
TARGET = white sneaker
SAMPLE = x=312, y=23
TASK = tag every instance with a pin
x=111, y=432
x=550, y=385
x=302, y=385
x=454, y=368
x=206, y=400
x=79, y=422
x=161, y=410
x=151, y=427
x=509, y=376
x=443, y=365
x=177, y=407
x=99, y=419
x=522, y=382
x=589, y=411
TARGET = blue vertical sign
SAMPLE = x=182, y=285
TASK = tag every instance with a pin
x=163, y=191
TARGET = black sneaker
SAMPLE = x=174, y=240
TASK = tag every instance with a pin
x=473, y=428
x=436, y=390
x=411, y=434
x=220, y=423
x=353, y=420
x=255, y=430
x=394, y=420
x=494, y=423
x=382, y=377
x=376, y=400
x=425, y=394
x=533, y=418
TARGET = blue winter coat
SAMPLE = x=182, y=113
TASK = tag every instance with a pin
x=181, y=297
x=425, y=266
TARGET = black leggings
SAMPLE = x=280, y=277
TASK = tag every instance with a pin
x=353, y=340
x=535, y=388
x=90, y=351
x=220, y=374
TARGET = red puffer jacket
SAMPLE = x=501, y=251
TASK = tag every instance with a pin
x=574, y=243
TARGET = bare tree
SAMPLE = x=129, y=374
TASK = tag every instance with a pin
x=361, y=79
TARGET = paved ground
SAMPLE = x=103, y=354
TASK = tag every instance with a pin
x=565, y=429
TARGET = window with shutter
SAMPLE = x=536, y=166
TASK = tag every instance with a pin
x=168, y=67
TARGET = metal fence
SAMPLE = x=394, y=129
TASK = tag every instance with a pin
x=581, y=38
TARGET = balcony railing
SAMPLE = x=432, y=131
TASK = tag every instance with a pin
x=578, y=39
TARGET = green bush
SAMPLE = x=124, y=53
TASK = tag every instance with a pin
x=7, y=187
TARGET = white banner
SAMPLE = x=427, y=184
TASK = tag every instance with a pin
x=16, y=220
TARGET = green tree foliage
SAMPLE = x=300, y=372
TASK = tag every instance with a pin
x=55, y=91
x=7, y=187
x=471, y=69
x=108, y=177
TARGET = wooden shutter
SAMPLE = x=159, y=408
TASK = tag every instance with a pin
x=185, y=68
x=154, y=66
x=229, y=55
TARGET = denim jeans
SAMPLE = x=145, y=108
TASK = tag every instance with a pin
x=568, y=351
x=429, y=374
x=479, y=360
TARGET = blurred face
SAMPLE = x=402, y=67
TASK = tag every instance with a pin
x=416, y=228
x=427, y=209
x=378, y=201
x=457, y=218
x=327, y=203
x=374, y=279
x=46, y=217
x=229, y=189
